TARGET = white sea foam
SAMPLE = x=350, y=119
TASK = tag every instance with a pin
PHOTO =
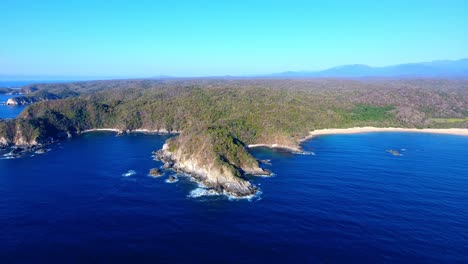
x=8, y=157
x=207, y=192
x=304, y=153
x=41, y=151
x=200, y=192
x=265, y=175
x=173, y=181
x=254, y=197
x=129, y=173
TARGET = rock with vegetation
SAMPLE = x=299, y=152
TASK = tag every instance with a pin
x=24, y=90
x=32, y=98
x=215, y=158
x=218, y=118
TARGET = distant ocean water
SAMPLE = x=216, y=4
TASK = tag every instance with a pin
x=352, y=202
x=9, y=111
x=18, y=84
x=14, y=111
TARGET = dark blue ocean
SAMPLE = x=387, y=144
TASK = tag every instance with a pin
x=352, y=202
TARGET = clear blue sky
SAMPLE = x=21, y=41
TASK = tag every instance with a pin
x=197, y=38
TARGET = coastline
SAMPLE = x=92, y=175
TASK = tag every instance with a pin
x=276, y=146
x=358, y=130
x=140, y=130
x=101, y=129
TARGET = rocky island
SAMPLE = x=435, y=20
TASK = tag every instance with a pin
x=215, y=121
x=213, y=157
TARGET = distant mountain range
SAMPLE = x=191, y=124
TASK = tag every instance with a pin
x=440, y=68
x=432, y=69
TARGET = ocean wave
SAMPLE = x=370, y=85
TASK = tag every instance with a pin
x=129, y=173
x=41, y=151
x=9, y=156
x=200, y=192
x=169, y=180
x=251, y=198
x=304, y=153
x=265, y=175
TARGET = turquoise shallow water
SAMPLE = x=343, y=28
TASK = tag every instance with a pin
x=350, y=202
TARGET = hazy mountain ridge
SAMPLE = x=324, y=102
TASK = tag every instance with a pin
x=439, y=68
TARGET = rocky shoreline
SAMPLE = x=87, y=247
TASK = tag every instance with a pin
x=19, y=145
x=195, y=154
x=226, y=183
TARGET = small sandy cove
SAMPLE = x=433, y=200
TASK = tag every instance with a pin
x=356, y=130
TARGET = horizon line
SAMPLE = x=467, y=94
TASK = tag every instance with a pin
x=68, y=77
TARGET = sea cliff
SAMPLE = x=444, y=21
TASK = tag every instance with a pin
x=214, y=158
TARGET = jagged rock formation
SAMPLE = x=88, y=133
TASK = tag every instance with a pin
x=20, y=134
x=213, y=157
x=29, y=99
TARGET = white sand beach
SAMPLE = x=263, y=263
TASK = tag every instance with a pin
x=356, y=130
x=102, y=129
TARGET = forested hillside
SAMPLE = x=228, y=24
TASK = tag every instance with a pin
x=268, y=111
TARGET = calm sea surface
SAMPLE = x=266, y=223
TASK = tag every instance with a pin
x=9, y=111
x=351, y=202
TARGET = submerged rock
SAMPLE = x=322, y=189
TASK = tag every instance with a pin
x=129, y=173
x=394, y=152
x=40, y=151
x=172, y=179
x=155, y=172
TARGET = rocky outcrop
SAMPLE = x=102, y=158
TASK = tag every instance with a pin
x=20, y=100
x=155, y=172
x=4, y=142
x=20, y=134
x=214, y=158
x=32, y=98
x=220, y=178
x=13, y=101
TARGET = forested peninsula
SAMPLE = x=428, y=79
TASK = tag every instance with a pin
x=216, y=119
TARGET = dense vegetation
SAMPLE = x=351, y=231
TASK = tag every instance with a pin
x=24, y=90
x=234, y=112
x=252, y=110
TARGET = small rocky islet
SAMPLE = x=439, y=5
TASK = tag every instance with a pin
x=394, y=152
x=155, y=172
x=172, y=179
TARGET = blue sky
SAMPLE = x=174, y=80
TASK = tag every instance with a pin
x=199, y=38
